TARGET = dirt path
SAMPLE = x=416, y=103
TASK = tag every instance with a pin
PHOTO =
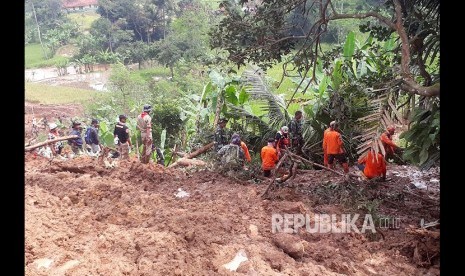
x=83, y=219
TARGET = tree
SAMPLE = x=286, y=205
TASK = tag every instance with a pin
x=262, y=36
x=145, y=18
x=187, y=39
x=134, y=52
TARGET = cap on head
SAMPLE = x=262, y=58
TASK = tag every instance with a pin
x=236, y=141
x=122, y=116
x=52, y=126
x=285, y=129
x=76, y=123
x=235, y=135
x=333, y=124
x=147, y=108
x=94, y=121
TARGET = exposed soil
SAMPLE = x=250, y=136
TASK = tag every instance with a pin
x=48, y=113
x=85, y=219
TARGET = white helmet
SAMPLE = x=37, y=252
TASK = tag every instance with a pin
x=285, y=129
x=52, y=126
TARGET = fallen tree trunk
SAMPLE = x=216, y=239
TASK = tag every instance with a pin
x=41, y=144
x=318, y=165
x=199, y=151
x=187, y=162
x=186, y=159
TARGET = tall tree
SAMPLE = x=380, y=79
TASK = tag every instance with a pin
x=262, y=35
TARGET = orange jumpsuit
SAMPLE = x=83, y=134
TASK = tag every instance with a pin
x=332, y=142
x=325, y=154
x=246, y=151
x=269, y=157
x=373, y=167
x=389, y=145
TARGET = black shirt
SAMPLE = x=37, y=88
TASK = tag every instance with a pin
x=122, y=131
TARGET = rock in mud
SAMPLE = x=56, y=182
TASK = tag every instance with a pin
x=253, y=230
x=294, y=246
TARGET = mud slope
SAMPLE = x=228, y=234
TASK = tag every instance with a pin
x=84, y=219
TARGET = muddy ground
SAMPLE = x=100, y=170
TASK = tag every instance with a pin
x=85, y=219
x=45, y=114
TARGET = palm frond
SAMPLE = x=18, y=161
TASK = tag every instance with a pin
x=383, y=113
x=270, y=103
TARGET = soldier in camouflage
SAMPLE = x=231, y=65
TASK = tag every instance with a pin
x=231, y=156
x=144, y=125
x=295, y=131
x=221, y=135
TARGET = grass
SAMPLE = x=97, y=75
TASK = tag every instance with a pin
x=34, y=57
x=46, y=94
x=148, y=74
x=84, y=19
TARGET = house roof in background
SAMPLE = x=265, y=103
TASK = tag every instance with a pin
x=78, y=3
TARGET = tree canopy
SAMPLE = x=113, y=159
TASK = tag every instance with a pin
x=264, y=32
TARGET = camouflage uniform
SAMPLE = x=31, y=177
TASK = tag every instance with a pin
x=231, y=157
x=295, y=132
x=144, y=124
x=221, y=138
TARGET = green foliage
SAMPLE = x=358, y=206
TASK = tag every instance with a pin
x=423, y=138
x=84, y=19
x=49, y=16
x=166, y=116
x=349, y=46
x=34, y=57
x=106, y=133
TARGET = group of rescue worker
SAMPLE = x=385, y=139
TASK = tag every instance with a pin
x=120, y=133
x=290, y=138
x=231, y=150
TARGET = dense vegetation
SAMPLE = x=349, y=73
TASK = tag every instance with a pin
x=364, y=63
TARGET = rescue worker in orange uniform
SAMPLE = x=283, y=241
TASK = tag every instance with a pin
x=282, y=140
x=389, y=146
x=325, y=154
x=332, y=142
x=269, y=157
x=243, y=147
x=373, y=165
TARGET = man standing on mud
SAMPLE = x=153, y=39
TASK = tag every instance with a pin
x=93, y=140
x=332, y=143
x=325, y=154
x=76, y=143
x=53, y=134
x=121, y=133
x=221, y=136
x=269, y=157
x=295, y=131
x=144, y=124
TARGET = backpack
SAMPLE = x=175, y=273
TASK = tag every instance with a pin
x=87, y=136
